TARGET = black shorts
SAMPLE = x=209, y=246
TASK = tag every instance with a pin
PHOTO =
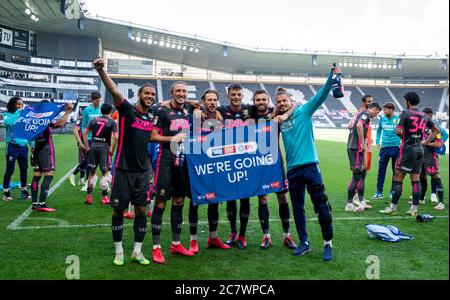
x=128, y=186
x=99, y=156
x=409, y=160
x=43, y=161
x=430, y=165
x=356, y=159
x=171, y=181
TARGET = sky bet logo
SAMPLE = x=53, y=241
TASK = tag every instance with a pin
x=272, y=185
x=210, y=196
x=241, y=148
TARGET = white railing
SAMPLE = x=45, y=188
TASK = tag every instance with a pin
x=18, y=67
x=49, y=84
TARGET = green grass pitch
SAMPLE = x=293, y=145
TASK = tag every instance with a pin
x=32, y=251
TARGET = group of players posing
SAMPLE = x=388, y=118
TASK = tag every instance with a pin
x=414, y=153
x=164, y=124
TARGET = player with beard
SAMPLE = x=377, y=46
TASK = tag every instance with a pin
x=131, y=170
x=303, y=165
x=262, y=111
x=171, y=176
x=411, y=128
x=237, y=114
x=209, y=123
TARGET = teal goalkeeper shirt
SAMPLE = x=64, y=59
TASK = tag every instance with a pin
x=297, y=131
x=89, y=113
x=386, y=132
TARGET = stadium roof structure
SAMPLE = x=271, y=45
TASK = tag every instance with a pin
x=68, y=17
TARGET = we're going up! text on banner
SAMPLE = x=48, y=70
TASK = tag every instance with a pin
x=235, y=163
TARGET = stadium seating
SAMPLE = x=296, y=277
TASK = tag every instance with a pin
x=430, y=97
x=34, y=82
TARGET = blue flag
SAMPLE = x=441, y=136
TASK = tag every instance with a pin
x=235, y=163
x=34, y=119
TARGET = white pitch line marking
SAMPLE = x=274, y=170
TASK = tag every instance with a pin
x=221, y=222
x=16, y=223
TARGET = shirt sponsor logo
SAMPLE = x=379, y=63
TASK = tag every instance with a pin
x=221, y=151
x=178, y=124
x=235, y=123
x=142, y=124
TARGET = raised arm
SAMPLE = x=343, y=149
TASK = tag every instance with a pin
x=99, y=65
x=315, y=102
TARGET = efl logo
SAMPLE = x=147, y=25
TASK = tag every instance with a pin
x=274, y=185
x=267, y=129
x=241, y=148
x=210, y=196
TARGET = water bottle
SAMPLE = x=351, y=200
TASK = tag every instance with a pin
x=336, y=85
x=424, y=218
x=179, y=156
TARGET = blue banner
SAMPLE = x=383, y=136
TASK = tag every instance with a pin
x=235, y=163
x=34, y=119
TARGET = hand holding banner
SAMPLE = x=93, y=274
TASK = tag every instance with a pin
x=235, y=163
x=34, y=119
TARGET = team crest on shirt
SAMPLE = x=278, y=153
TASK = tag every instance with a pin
x=245, y=113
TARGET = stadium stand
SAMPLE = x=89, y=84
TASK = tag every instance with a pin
x=339, y=111
x=195, y=88
x=60, y=80
x=129, y=88
x=379, y=95
x=429, y=97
